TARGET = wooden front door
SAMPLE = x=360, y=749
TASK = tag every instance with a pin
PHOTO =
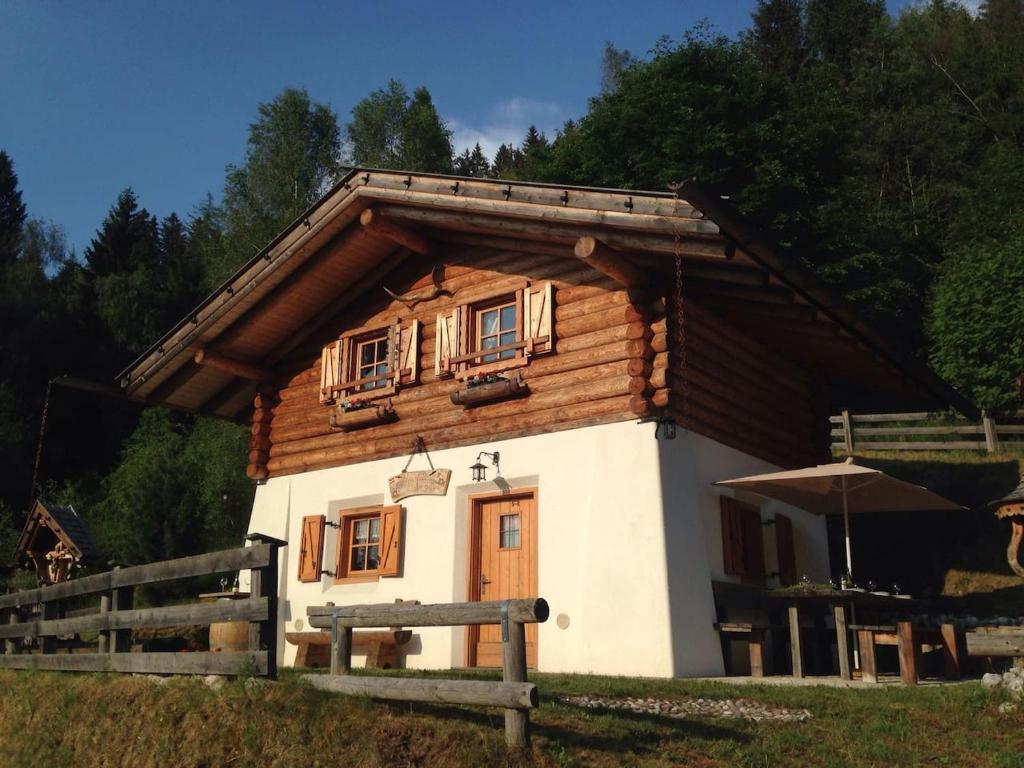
x=503, y=565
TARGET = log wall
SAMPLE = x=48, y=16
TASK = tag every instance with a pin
x=602, y=348
x=616, y=358
x=733, y=389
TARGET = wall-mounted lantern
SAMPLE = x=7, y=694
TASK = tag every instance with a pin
x=480, y=470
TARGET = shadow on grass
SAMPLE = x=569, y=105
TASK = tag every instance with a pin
x=628, y=733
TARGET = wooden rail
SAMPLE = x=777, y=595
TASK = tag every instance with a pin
x=855, y=431
x=513, y=693
x=117, y=617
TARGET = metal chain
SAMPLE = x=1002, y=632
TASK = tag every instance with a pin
x=680, y=308
x=39, y=444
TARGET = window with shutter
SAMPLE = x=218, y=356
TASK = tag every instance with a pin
x=365, y=365
x=311, y=549
x=498, y=334
x=370, y=545
x=742, y=540
x=785, y=550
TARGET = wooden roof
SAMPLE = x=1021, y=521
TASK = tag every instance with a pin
x=326, y=257
x=65, y=525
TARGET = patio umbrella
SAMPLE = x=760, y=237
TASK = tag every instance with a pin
x=843, y=489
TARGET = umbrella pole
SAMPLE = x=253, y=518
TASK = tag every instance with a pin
x=849, y=572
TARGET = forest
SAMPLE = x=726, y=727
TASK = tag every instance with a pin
x=884, y=152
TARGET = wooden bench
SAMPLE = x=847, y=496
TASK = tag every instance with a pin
x=758, y=639
x=910, y=641
x=380, y=647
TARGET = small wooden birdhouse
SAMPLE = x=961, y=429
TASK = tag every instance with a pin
x=1011, y=507
x=54, y=541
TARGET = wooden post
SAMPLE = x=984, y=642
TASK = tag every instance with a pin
x=759, y=661
x=11, y=644
x=263, y=583
x=517, y=721
x=48, y=644
x=847, y=431
x=991, y=435
x=341, y=651
x=842, y=640
x=121, y=599
x=868, y=660
x=795, y=649
x=104, y=635
x=909, y=649
x=952, y=650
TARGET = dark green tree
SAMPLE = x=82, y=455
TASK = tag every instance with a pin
x=473, y=163
x=291, y=159
x=390, y=130
x=778, y=37
x=614, y=61
x=12, y=211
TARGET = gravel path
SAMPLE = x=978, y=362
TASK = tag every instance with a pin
x=744, y=709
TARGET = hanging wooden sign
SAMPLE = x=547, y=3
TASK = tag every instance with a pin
x=425, y=482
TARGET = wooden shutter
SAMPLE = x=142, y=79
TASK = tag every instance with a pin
x=311, y=552
x=742, y=541
x=785, y=549
x=447, y=341
x=330, y=371
x=409, y=353
x=732, y=538
x=538, y=318
x=390, y=540
x=753, y=543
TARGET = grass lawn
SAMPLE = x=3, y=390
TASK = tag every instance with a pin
x=67, y=719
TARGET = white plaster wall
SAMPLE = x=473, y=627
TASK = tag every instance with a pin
x=630, y=573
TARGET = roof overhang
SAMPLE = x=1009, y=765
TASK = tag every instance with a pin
x=327, y=258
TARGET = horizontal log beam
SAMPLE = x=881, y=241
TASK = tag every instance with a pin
x=232, y=366
x=255, y=609
x=596, y=254
x=245, y=558
x=396, y=233
x=143, y=663
x=530, y=610
x=484, y=693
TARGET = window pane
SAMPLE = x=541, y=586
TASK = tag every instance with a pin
x=382, y=349
x=508, y=318
x=489, y=322
x=509, y=531
x=508, y=337
x=359, y=558
x=361, y=530
x=489, y=342
x=375, y=529
x=366, y=354
x=372, y=559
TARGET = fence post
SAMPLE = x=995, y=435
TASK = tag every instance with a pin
x=847, y=431
x=341, y=648
x=121, y=599
x=263, y=583
x=991, y=436
x=103, y=645
x=48, y=643
x=11, y=644
x=513, y=646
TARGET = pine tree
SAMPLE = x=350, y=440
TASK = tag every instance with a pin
x=12, y=211
x=426, y=142
x=508, y=161
x=777, y=37
x=473, y=163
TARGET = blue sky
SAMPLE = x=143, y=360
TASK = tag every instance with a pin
x=95, y=97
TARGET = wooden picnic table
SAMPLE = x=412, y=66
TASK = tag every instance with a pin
x=838, y=602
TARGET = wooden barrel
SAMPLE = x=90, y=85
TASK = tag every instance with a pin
x=229, y=636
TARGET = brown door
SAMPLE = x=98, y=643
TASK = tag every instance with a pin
x=503, y=560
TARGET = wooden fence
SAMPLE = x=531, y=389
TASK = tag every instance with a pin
x=513, y=693
x=897, y=432
x=117, y=618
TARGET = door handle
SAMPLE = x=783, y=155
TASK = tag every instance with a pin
x=484, y=581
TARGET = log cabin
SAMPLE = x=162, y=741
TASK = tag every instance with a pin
x=465, y=389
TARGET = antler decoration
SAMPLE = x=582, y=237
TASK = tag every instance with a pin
x=435, y=290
